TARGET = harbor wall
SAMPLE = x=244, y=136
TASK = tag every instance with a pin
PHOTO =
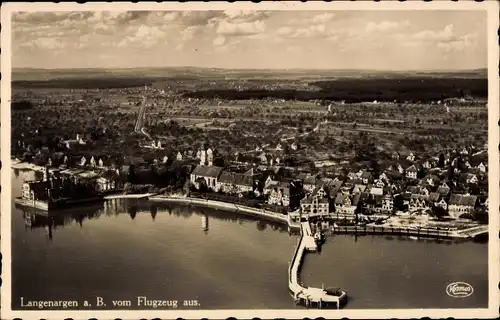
x=46, y=206
x=37, y=204
x=228, y=206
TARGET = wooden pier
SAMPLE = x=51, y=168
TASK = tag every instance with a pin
x=408, y=231
x=308, y=295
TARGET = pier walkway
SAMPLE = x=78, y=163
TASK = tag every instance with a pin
x=130, y=196
x=309, y=295
x=472, y=232
x=467, y=233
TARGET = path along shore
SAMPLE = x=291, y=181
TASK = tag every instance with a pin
x=368, y=229
x=228, y=206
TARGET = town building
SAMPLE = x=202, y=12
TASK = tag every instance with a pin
x=366, y=177
x=379, y=183
x=443, y=189
x=210, y=157
x=418, y=203
x=235, y=183
x=411, y=172
x=269, y=184
x=346, y=204
x=280, y=194
x=411, y=157
x=33, y=189
x=441, y=203
x=430, y=180
x=427, y=164
x=471, y=178
x=359, y=188
x=210, y=174
x=105, y=184
x=314, y=204
x=309, y=183
x=460, y=204
x=481, y=167
x=383, y=177
x=387, y=203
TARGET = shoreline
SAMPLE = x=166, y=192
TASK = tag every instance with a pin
x=409, y=231
x=367, y=229
x=229, y=207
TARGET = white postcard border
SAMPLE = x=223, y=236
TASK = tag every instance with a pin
x=493, y=141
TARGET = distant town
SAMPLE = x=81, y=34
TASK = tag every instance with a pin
x=350, y=161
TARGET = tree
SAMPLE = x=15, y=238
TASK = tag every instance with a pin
x=374, y=165
x=480, y=215
x=439, y=212
x=420, y=174
x=399, y=203
x=441, y=160
x=131, y=177
x=219, y=161
x=154, y=177
x=451, y=173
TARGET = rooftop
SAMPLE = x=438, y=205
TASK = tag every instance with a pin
x=463, y=200
x=236, y=178
x=207, y=171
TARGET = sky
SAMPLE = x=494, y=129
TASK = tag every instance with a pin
x=383, y=40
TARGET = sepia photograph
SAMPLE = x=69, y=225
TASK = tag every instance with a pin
x=273, y=160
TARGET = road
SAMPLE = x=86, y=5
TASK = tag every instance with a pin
x=140, y=117
x=139, y=125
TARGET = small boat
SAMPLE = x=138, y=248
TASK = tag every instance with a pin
x=413, y=238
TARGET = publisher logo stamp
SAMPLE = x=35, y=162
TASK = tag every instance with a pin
x=459, y=290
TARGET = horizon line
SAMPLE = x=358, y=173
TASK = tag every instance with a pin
x=257, y=69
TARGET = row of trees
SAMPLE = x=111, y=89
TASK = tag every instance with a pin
x=174, y=174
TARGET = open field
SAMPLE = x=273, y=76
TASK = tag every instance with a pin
x=187, y=109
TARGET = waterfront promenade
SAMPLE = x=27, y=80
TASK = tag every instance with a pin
x=366, y=229
x=130, y=196
x=228, y=206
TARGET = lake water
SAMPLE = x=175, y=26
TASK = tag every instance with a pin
x=124, y=249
